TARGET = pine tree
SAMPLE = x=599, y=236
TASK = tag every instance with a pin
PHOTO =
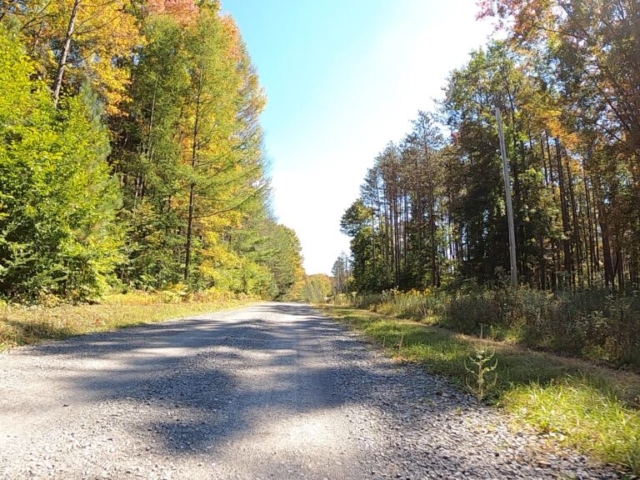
x=57, y=212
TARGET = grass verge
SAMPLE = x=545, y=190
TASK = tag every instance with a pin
x=596, y=325
x=592, y=409
x=21, y=325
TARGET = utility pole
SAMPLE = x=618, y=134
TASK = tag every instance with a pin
x=507, y=186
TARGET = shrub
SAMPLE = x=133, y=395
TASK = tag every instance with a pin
x=593, y=324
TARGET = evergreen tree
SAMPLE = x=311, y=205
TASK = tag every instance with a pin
x=57, y=212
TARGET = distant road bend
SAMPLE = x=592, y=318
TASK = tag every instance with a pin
x=270, y=391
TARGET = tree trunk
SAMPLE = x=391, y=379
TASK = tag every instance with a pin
x=187, y=257
x=566, y=228
x=435, y=277
x=555, y=253
x=606, y=248
x=592, y=233
x=192, y=186
x=542, y=264
x=576, y=230
x=65, y=53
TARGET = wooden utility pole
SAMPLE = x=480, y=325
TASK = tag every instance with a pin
x=507, y=186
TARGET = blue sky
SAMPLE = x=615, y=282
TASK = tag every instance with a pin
x=343, y=78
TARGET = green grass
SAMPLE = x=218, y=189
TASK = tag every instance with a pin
x=590, y=408
x=22, y=325
x=596, y=325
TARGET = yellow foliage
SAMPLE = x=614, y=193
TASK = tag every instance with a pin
x=103, y=40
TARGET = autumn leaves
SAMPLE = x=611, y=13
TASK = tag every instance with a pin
x=152, y=169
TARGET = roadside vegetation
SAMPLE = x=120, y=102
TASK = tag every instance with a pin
x=595, y=325
x=25, y=325
x=430, y=245
x=133, y=165
x=131, y=154
x=589, y=407
x=311, y=289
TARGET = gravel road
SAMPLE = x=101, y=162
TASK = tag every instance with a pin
x=270, y=391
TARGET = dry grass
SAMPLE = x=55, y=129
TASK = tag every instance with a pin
x=22, y=325
x=596, y=325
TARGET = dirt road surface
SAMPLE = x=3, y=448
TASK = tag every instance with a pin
x=273, y=391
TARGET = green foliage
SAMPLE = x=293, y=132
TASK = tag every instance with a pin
x=589, y=408
x=370, y=271
x=285, y=260
x=477, y=200
x=148, y=158
x=412, y=304
x=342, y=275
x=57, y=222
x=311, y=289
x=594, y=325
x=192, y=166
x=397, y=225
x=481, y=382
x=583, y=415
x=172, y=193
x=433, y=213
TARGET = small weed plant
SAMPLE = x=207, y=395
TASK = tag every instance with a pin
x=585, y=406
x=483, y=373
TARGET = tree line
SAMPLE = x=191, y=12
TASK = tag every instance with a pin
x=131, y=153
x=432, y=209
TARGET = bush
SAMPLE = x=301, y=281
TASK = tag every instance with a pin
x=592, y=324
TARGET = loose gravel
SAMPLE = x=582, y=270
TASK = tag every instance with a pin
x=273, y=391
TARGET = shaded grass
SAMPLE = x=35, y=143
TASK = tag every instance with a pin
x=590, y=408
x=20, y=325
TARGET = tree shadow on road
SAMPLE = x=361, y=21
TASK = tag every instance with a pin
x=197, y=384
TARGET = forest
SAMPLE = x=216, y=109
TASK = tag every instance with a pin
x=134, y=188
x=131, y=154
x=431, y=212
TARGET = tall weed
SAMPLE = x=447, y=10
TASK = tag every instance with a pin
x=592, y=324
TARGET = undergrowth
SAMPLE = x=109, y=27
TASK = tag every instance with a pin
x=591, y=408
x=596, y=325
